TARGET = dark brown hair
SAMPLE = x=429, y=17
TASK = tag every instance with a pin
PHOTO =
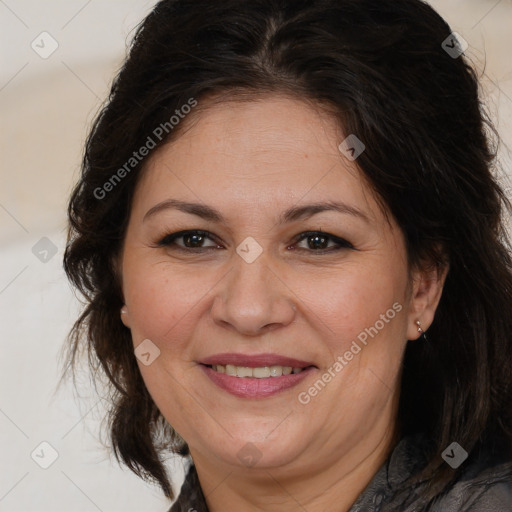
x=380, y=64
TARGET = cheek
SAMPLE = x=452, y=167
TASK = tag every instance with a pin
x=354, y=299
x=162, y=300
x=167, y=302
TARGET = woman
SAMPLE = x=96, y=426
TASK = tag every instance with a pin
x=279, y=200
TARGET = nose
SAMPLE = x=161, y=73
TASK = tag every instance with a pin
x=253, y=299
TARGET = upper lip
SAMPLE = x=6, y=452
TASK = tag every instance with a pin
x=254, y=361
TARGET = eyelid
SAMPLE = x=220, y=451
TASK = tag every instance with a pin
x=341, y=242
x=169, y=240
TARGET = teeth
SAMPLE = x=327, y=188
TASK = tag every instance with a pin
x=243, y=371
x=230, y=370
x=276, y=371
x=261, y=372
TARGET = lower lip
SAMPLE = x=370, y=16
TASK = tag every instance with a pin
x=247, y=387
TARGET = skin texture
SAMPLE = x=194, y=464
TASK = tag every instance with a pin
x=251, y=161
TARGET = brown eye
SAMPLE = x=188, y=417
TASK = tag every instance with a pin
x=190, y=240
x=318, y=241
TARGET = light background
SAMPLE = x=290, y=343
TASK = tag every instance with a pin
x=46, y=108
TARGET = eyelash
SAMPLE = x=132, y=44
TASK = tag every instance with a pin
x=169, y=240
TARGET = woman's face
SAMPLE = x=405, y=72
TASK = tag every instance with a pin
x=276, y=282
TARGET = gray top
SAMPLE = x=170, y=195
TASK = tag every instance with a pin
x=483, y=485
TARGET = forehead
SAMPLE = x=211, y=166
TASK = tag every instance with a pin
x=278, y=122
x=273, y=150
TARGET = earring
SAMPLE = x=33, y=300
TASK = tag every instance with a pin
x=421, y=331
x=125, y=317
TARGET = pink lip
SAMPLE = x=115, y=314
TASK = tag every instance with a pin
x=246, y=387
x=255, y=361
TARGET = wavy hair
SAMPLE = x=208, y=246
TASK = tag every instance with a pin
x=429, y=157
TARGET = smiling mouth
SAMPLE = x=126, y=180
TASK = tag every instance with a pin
x=261, y=372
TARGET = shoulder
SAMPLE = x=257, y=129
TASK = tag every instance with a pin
x=483, y=482
x=480, y=489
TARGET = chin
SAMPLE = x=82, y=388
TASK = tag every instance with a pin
x=255, y=449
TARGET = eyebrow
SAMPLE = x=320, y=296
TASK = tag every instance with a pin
x=293, y=214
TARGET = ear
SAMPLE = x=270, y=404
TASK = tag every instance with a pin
x=125, y=316
x=426, y=293
x=116, y=267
